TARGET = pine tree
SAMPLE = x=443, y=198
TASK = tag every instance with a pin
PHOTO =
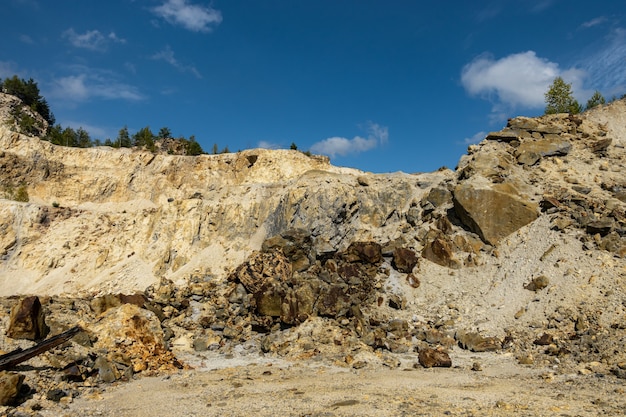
x=560, y=99
x=595, y=100
x=193, y=147
x=123, y=139
x=164, y=133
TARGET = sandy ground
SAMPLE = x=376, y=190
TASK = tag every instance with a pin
x=221, y=386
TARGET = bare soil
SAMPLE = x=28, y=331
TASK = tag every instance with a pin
x=220, y=386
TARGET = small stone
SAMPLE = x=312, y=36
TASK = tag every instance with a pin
x=476, y=366
x=537, y=283
x=526, y=359
x=544, y=340
x=413, y=281
x=619, y=372
x=106, y=371
x=56, y=395
x=396, y=302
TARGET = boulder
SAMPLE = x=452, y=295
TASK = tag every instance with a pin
x=491, y=210
x=28, y=320
x=439, y=251
x=132, y=337
x=600, y=146
x=505, y=135
x=366, y=252
x=10, y=384
x=432, y=358
x=529, y=152
x=404, y=260
x=295, y=245
x=437, y=196
x=475, y=342
x=262, y=271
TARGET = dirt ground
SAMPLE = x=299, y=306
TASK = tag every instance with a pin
x=219, y=386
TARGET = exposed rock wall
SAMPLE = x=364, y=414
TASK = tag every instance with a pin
x=103, y=219
x=106, y=220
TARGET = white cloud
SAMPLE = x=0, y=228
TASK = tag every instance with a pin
x=91, y=39
x=86, y=86
x=167, y=55
x=593, y=22
x=377, y=135
x=517, y=80
x=475, y=138
x=267, y=145
x=194, y=17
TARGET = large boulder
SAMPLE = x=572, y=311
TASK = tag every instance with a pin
x=133, y=340
x=27, y=320
x=493, y=211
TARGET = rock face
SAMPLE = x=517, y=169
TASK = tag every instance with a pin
x=493, y=211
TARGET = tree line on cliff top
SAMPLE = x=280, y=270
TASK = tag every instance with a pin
x=28, y=92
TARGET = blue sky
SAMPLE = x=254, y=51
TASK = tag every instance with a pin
x=382, y=86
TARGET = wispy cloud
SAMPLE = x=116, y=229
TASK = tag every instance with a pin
x=167, y=55
x=517, y=80
x=475, y=138
x=92, y=39
x=7, y=69
x=593, y=22
x=194, y=17
x=376, y=135
x=495, y=8
x=27, y=39
x=540, y=6
x=93, y=84
x=96, y=132
x=605, y=67
x=264, y=144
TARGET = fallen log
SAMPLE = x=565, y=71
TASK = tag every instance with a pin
x=9, y=360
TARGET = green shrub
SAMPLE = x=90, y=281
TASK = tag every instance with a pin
x=21, y=194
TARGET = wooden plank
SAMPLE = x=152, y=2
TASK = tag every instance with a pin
x=9, y=360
